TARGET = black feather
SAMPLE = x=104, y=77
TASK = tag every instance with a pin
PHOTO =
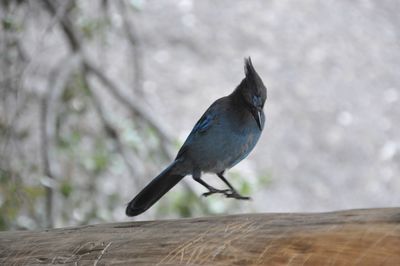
x=253, y=80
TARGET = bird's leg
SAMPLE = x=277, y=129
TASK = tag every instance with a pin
x=211, y=189
x=233, y=193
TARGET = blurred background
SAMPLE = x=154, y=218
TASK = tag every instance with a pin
x=97, y=97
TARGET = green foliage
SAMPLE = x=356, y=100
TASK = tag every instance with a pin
x=265, y=179
x=66, y=188
x=183, y=203
x=240, y=182
x=94, y=27
x=112, y=200
x=98, y=159
x=76, y=95
x=34, y=192
x=9, y=24
x=3, y=222
x=69, y=141
x=130, y=134
x=177, y=144
x=8, y=204
x=14, y=196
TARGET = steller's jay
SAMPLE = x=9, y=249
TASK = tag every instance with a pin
x=224, y=135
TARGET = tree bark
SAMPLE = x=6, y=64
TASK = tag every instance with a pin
x=354, y=237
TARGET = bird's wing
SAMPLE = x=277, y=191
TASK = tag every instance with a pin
x=204, y=124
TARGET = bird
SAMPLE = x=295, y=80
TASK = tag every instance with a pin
x=224, y=135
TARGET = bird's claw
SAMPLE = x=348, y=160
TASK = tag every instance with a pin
x=228, y=193
x=236, y=195
x=214, y=191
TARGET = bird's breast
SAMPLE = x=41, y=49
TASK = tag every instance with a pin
x=225, y=145
x=243, y=145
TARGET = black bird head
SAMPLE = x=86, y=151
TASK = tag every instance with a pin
x=253, y=91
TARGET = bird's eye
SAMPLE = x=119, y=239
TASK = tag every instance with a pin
x=256, y=101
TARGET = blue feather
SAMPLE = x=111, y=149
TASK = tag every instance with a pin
x=203, y=124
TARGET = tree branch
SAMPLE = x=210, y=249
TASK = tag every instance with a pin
x=112, y=133
x=137, y=50
x=66, y=24
x=136, y=108
x=57, y=83
x=354, y=237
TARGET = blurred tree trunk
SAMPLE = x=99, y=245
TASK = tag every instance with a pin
x=355, y=237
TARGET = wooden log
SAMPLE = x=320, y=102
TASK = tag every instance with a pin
x=355, y=237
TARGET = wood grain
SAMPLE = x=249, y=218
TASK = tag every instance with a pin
x=355, y=237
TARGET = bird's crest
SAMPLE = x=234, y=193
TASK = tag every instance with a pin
x=252, y=78
x=248, y=68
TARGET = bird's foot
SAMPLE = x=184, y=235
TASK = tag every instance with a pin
x=235, y=195
x=215, y=191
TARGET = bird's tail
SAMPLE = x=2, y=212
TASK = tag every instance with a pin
x=153, y=191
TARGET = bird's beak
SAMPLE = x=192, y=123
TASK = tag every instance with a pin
x=257, y=116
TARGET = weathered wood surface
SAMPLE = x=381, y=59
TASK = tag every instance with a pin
x=356, y=237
